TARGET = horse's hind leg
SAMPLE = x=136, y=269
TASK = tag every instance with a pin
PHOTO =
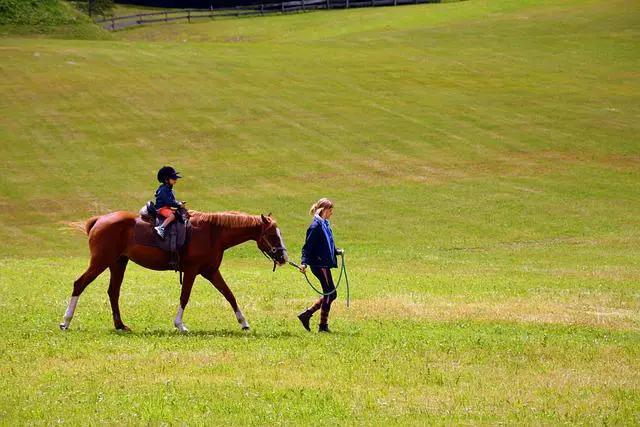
x=117, y=270
x=218, y=282
x=79, y=286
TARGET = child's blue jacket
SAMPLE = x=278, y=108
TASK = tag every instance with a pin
x=165, y=197
x=319, y=249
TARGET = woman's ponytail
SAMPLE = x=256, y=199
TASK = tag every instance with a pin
x=312, y=210
x=322, y=204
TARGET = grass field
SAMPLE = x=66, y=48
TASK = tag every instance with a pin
x=484, y=158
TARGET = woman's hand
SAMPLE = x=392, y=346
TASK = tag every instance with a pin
x=303, y=269
x=339, y=251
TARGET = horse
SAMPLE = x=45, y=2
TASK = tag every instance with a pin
x=112, y=245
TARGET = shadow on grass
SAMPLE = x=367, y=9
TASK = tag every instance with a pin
x=228, y=333
x=220, y=333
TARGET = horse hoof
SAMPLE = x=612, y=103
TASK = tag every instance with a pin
x=123, y=328
x=63, y=327
x=245, y=328
x=182, y=329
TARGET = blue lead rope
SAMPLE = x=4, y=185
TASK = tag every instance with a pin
x=343, y=269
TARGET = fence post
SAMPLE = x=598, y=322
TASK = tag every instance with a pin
x=373, y=3
x=347, y=4
x=303, y=5
x=395, y=2
x=113, y=24
x=328, y=4
x=139, y=19
x=282, y=6
x=261, y=9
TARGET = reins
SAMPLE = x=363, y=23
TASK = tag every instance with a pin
x=272, y=251
x=270, y=259
x=343, y=269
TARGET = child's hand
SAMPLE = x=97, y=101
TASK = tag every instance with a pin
x=340, y=251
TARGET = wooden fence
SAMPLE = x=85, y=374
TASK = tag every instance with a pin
x=120, y=22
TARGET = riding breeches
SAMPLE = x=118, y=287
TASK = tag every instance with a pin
x=328, y=288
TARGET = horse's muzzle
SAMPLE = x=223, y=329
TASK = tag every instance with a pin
x=282, y=259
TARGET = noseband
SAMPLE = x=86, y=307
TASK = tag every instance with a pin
x=270, y=253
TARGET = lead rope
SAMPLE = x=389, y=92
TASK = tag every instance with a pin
x=343, y=268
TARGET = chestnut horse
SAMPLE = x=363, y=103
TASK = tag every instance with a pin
x=112, y=245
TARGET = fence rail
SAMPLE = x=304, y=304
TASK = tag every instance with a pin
x=120, y=22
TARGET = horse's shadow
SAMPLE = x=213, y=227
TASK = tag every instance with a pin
x=223, y=333
x=218, y=333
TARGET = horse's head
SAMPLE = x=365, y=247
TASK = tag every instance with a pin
x=271, y=242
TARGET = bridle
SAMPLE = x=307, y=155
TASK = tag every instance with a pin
x=272, y=250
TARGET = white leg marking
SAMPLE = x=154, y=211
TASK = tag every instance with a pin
x=243, y=322
x=68, y=315
x=178, y=322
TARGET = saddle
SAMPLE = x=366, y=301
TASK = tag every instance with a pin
x=176, y=235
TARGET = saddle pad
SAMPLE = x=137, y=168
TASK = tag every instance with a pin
x=175, y=236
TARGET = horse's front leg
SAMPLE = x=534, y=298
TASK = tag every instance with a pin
x=187, y=285
x=218, y=282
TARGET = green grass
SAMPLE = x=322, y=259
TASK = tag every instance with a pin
x=32, y=12
x=46, y=19
x=484, y=160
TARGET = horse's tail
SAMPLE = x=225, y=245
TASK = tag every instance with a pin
x=90, y=223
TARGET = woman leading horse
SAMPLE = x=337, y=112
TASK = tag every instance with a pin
x=112, y=245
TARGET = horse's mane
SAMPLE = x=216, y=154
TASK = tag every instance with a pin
x=229, y=219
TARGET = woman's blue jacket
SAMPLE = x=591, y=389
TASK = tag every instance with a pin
x=319, y=249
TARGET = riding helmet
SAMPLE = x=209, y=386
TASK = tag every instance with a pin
x=167, y=172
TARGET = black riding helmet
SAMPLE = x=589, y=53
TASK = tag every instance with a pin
x=167, y=172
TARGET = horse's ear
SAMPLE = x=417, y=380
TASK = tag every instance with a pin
x=264, y=219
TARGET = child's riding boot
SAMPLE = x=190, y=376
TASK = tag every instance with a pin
x=160, y=231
